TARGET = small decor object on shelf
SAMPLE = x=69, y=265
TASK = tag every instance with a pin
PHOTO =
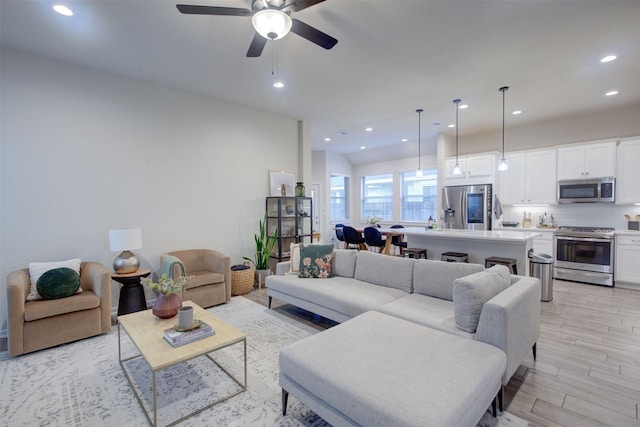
x=299, y=189
x=177, y=336
x=373, y=220
x=168, y=301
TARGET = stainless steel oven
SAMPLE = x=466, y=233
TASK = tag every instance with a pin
x=584, y=254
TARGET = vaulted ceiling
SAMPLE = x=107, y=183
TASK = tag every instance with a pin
x=392, y=57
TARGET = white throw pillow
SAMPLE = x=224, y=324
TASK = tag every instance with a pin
x=294, y=258
x=37, y=269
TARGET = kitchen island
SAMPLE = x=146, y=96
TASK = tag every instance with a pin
x=478, y=244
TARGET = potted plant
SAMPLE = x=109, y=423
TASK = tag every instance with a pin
x=168, y=301
x=264, y=246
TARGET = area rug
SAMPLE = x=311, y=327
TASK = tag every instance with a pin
x=82, y=384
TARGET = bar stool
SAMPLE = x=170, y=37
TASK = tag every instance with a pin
x=454, y=257
x=416, y=253
x=508, y=262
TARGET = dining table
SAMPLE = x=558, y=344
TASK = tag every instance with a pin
x=389, y=233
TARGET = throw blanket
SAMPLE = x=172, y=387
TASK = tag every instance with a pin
x=168, y=263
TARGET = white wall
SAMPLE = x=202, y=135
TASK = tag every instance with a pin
x=83, y=151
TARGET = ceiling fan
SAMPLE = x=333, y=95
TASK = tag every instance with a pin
x=271, y=20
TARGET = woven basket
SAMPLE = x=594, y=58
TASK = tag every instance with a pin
x=242, y=281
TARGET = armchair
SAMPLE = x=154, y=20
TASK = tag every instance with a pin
x=211, y=271
x=35, y=325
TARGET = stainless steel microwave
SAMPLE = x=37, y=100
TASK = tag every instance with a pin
x=596, y=190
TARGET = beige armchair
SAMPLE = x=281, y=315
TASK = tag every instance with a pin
x=34, y=325
x=211, y=271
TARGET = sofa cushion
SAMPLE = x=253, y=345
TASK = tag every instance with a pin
x=471, y=292
x=40, y=309
x=347, y=296
x=37, y=269
x=203, y=278
x=435, y=278
x=316, y=261
x=435, y=313
x=58, y=283
x=344, y=262
x=385, y=270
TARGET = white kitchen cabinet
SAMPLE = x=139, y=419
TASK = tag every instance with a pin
x=581, y=161
x=627, y=259
x=628, y=172
x=530, y=179
x=544, y=243
x=476, y=169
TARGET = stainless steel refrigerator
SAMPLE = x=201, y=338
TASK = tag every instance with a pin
x=467, y=207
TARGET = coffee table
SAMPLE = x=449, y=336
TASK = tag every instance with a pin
x=145, y=331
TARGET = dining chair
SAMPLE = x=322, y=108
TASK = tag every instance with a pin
x=397, y=240
x=373, y=238
x=340, y=233
x=352, y=237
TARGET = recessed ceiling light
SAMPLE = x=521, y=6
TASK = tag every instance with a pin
x=436, y=123
x=278, y=84
x=608, y=58
x=463, y=106
x=362, y=147
x=405, y=139
x=517, y=112
x=62, y=10
x=451, y=125
x=611, y=93
x=369, y=129
x=327, y=139
x=343, y=132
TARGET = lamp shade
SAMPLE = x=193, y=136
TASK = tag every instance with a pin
x=271, y=24
x=123, y=239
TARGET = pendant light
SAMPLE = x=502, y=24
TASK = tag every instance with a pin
x=456, y=169
x=503, y=166
x=419, y=170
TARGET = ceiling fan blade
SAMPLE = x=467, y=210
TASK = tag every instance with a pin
x=298, y=5
x=213, y=10
x=313, y=35
x=257, y=46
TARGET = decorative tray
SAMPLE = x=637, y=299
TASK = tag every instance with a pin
x=510, y=223
x=196, y=324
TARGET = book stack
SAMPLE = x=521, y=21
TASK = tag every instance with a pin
x=177, y=338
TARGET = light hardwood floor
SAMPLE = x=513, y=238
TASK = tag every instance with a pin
x=587, y=372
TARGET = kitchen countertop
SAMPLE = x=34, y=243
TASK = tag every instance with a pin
x=531, y=229
x=628, y=232
x=498, y=235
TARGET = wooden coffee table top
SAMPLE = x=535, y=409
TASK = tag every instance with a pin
x=145, y=330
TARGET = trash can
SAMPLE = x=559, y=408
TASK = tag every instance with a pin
x=541, y=266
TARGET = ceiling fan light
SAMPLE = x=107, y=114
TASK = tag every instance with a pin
x=271, y=24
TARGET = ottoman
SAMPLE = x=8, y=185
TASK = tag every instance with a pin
x=379, y=370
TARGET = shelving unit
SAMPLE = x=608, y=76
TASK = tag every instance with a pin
x=292, y=217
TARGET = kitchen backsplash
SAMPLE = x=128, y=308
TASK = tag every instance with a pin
x=581, y=214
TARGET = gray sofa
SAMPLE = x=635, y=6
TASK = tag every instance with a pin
x=456, y=298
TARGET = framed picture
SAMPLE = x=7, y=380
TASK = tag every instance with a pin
x=279, y=178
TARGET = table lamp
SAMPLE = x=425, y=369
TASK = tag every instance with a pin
x=125, y=239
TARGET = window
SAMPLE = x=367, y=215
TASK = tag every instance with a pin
x=377, y=197
x=419, y=196
x=339, y=198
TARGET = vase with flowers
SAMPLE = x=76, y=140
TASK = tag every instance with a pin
x=373, y=220
x=168, y=301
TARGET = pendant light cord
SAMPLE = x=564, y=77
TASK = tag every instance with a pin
x=419, y=111
x=503, y=90
x=457, y=102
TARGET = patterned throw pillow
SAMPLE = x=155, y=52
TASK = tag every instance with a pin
x=316, y=261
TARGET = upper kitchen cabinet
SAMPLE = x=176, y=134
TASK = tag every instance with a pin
x=476, y=169
x=530, y=179
x=593, y=160
x=628, y=172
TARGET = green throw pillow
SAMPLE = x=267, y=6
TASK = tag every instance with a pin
x=58, y=283
x=316, y=261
